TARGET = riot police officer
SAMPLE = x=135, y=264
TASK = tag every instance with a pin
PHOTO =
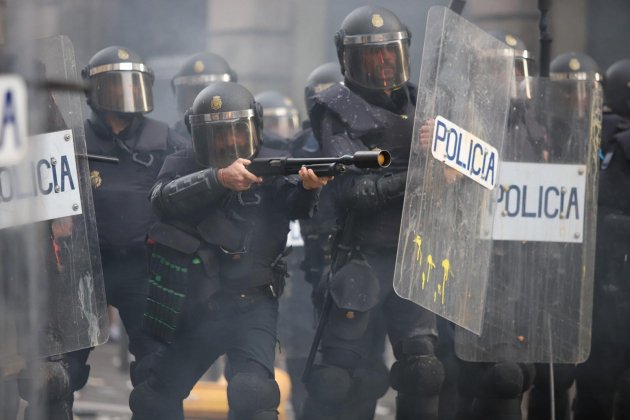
x=281, y=119
x=295, y=326
x=494, y=390
x=374, y=109
x=603, y=385
x=216, y=264
x=576, y=66
x=120, y=95
x=197, y=72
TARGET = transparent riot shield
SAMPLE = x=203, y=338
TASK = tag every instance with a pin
x=52, y=284
x=465, y=83
x=539, y=300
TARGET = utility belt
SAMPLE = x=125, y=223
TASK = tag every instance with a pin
x=227, y=302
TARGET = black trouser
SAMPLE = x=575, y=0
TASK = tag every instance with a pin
x=399, y=318
x=241, y=325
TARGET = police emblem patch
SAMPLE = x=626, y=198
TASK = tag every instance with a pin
x=574, y=64
x=377, y=20
x=216, y=103
x=122, y=54
x=198, y=67
x=510, y=40
x=95, y=179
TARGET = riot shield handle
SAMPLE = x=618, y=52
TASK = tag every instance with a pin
x=545, y=37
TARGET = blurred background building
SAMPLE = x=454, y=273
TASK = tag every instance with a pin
x=274, y=44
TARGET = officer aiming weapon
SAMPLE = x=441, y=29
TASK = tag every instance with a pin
x=323, y=166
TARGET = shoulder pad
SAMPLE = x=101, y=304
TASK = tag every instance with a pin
x=154, y=136
x=179, y=164
x=354, y=112
x=612, y=125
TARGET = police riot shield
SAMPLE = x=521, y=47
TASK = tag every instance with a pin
x=52, y=291
x=542, y=228
x=463, y=97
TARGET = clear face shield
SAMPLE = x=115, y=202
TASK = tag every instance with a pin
x=523, y=73
x=284, y=122
x=122, y=87
x=219, y=140
x=576, y=89
x=375, y=64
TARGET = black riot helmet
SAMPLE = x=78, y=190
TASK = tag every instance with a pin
x=574, y=66
x=373, y=48
x=120, y=82
x=320, y=79
x=617, y=87
x=582, y=70
x=280, y=115
x=196, y=73
x=225, y=124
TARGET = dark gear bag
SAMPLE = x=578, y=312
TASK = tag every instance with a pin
x=172, y=257
x=232, y=234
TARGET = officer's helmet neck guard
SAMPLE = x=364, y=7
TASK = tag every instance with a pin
x=617, y=88
x=120, y=82
x=373, y=48
x=280, y=115
x=225, y=123
x=197, y=72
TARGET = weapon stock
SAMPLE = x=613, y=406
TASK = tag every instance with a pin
x=323, y=166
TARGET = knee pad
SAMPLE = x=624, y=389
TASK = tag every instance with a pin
x=50, y=381
x=250, y=394
x=419, y=375
x=139, y=370
x=418, y=371
x=146, y=403
x=329, y=385
x=370, y=383
x=502, y=380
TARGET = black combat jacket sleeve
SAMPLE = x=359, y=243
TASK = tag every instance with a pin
x=183, y=189
x=301, y=203
x=356, y=189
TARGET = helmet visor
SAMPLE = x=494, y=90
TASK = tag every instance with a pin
x=122, y=91
x=218, y=144
x=377, y=65
x=285, y=124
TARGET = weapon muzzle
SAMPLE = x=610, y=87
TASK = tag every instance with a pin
x=372, y=159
